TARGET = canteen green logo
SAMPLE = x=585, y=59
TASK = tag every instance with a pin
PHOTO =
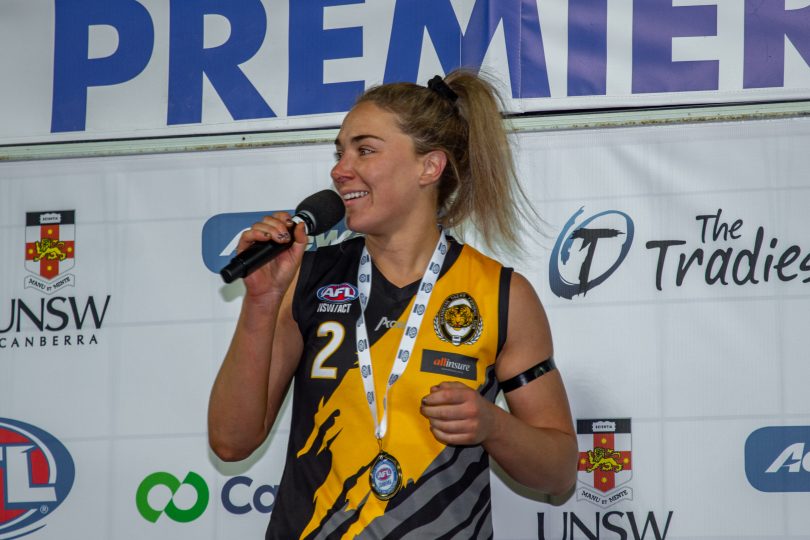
x=181, y=515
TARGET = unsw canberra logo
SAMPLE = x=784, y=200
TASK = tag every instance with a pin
x=715, y=250
x=49, y=315
x=604, y=472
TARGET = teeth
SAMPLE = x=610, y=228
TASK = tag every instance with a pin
x=354, y=195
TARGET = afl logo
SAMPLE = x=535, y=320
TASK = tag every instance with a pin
x=38, y=474
x=458, y=320
x=337, y=294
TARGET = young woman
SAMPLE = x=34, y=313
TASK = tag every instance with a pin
x=398, y=342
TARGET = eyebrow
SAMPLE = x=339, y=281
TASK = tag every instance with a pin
x=358, y=138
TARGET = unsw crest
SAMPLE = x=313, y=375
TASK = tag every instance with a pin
x=50, y=249
x=605, y=462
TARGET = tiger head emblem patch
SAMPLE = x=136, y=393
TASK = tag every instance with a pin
x=458, y=320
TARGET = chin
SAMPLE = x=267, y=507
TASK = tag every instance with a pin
x=361, y=226
x=371, y=222
x=355, y=225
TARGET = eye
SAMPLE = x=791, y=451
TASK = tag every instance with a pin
x=364, y=151
x=338, y=155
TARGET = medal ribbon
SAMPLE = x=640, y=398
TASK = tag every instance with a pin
x=408, y=340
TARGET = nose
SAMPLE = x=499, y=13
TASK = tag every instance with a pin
x=341, y=171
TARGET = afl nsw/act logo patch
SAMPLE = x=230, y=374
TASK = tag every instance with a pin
x=458, y=320
x=336, y=298
x=337, y=293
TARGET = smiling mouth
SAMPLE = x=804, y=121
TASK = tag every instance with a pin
x=354, y=195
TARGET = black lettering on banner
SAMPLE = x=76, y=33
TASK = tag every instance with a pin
x=623, y=524
x=726, y=264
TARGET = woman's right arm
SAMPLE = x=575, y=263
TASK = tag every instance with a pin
x=264, y=351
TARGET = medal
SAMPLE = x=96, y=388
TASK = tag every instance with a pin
x=385, y=476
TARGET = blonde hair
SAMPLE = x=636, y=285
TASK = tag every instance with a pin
x=478, y=184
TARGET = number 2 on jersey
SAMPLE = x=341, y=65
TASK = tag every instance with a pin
x=336, y=332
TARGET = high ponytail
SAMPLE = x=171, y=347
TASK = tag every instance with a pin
x=479, y=184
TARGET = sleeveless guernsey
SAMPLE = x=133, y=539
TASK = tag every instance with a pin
x=325, y=490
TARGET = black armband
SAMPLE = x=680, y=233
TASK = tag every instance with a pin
x=529, y=375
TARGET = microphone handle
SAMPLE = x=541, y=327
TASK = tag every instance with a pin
x=260, y=253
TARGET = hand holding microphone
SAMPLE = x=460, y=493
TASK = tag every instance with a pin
x=319, y=212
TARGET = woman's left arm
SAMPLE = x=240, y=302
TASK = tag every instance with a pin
x=535, y=442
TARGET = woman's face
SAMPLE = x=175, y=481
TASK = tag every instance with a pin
x=378, y=172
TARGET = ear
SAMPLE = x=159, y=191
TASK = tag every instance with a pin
x=433, y=164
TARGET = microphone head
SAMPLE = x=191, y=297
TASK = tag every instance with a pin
x=324, y=208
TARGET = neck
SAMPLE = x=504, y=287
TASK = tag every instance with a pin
x=403, y=259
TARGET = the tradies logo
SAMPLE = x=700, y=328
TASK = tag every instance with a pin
x=52, y=320
x=606, y=467
x=777, y=459
x=458, y=320
x=724, y=251
x=163, y=494
x=37, y=474
x=336, y=298
x=50, y=249
x=611, y=231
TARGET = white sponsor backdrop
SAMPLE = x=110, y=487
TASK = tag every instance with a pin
x=695, y=367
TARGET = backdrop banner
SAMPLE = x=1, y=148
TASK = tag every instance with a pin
x=75, y=70
x=674, y=263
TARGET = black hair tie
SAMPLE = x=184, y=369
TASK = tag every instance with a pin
x=438, y=85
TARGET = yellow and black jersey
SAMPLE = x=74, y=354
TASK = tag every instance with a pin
x=325, y=491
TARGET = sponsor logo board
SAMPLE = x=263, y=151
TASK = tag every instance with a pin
x=777, y=459
x=220, y=236
x=238, y=496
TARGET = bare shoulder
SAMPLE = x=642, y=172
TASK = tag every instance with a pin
x=528, y=337
x=542, y=401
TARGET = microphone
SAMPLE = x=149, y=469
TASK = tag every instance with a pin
x=319, y=212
